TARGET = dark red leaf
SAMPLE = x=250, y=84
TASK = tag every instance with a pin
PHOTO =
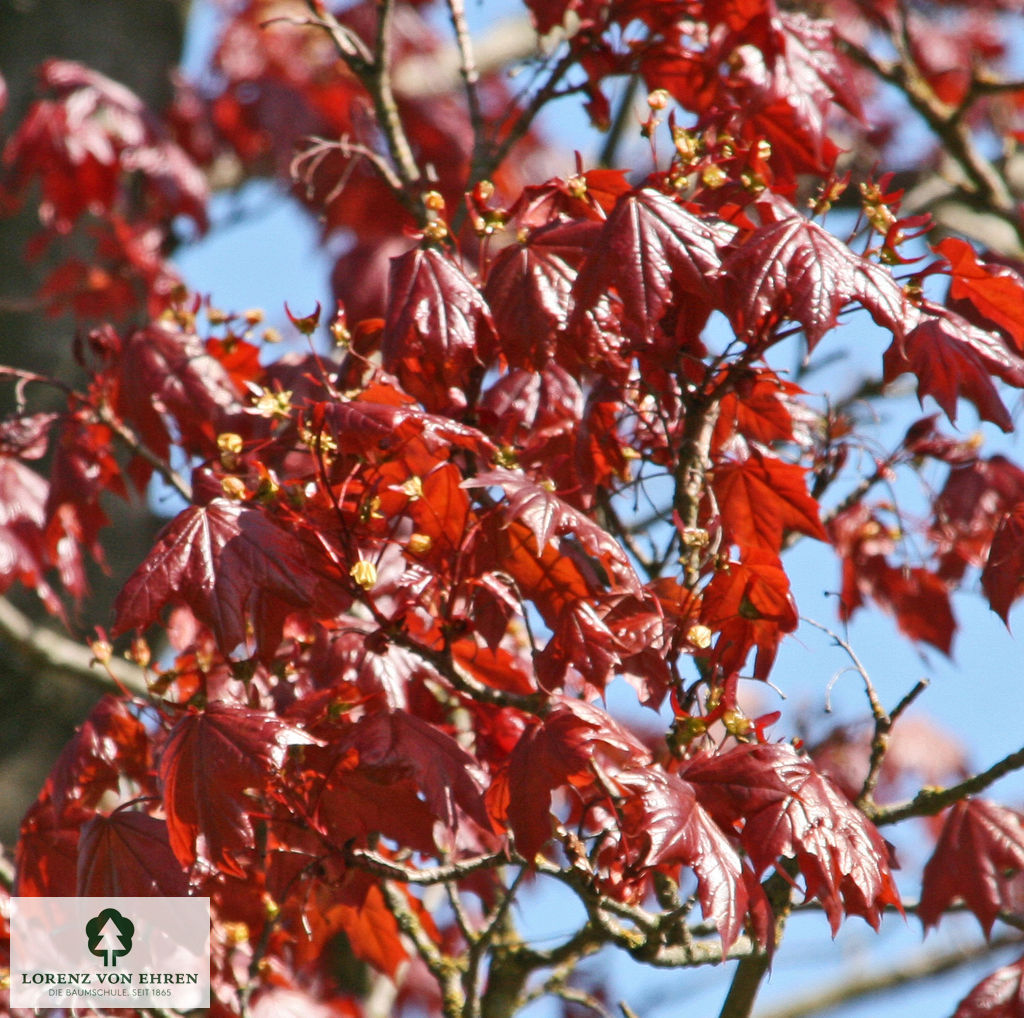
x=23, y=551
x=971, y=505
x=760, y=499
x=1000, y=995
x=582, y=641
x=370, y=926
x=794, y=269
x=761, y=409
x=167, y=375
x=661, y=812
x=996, y=292
x=450, y=780
x=557, y=751
x=128, y=854
x=979, y=859
x=655, y=255
x=1003, y=575
x=749, y=605
x=952, y=358
x=215, y=768
x=47, y=850
x=359, y=803
x=528, y=288
x=231, y=565
x=782, y=807
x=918, y=598
x=110, y=745
x=360, y=425
x=438, y=332
x=550, y=518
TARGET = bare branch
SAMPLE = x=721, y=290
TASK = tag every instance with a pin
x=384, y=99
x=364, y=859
x=467, y=65
x=867, y=983
x=138, y=448
x=694, y=460
x=930, y=801
x=439, y=73
x=443, y=968
x=983, y=184
x=521, y=125
x=750, y=973
x=49, y=648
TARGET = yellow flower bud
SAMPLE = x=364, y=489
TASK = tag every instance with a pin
x=364, y=573
x=699, y=635
x=420, y=544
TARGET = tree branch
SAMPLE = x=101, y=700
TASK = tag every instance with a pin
x=443, y=968
x=694, y=459
x=984, y=185
x=930, y=801
x=869, y=984
x=746, y=981
x=138, y=448
x=364, y=859
x=48, y=647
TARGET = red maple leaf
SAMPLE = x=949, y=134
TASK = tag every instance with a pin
x=168, y=381
x=438, y=332
x=952, y=358
x=663, y=824
x=550, y=518
x=997, y=292
x=583, y=641
x=793, y=268
x=1003, y=574
x=46, y=854
x=110, y=745
x=760, y=498
x=749, y=605
x=369, y=924
x=528, y=288
x=559, y=750
x=382, y=418
x=918, y=598
x=24, y=552
x=657, y=256
x=782, y=807
x=128, y=853
x=1000, y=995
x=212, y=819
x=762, y=409
x=978, y=858
x=231, y=565
x=447, y=777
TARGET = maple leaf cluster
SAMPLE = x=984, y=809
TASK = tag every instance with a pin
x=377, y=639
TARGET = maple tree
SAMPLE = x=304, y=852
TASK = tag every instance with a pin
x=550, y=453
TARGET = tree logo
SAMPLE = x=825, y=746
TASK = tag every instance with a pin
x=110, y=935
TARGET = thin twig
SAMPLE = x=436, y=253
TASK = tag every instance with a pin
x=138, y=448
x=384, y=99
x=467, y=66
x=871, y=983
x=371, y=862
x=930, y=801
x=522, y=124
